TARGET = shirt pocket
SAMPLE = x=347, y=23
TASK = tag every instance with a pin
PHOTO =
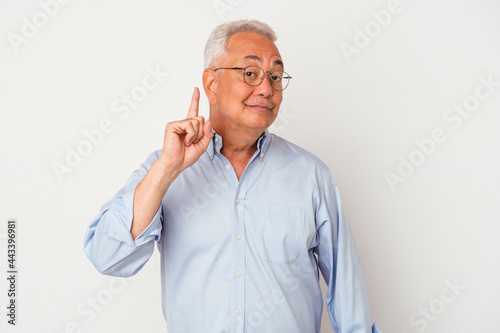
x=280, y=233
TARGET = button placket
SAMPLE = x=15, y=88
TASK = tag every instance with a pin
x=237, y=266
x=239, y=246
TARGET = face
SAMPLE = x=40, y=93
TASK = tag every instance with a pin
x=241, y=106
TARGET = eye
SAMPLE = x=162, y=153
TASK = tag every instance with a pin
x=277, y=76
x=251, y=73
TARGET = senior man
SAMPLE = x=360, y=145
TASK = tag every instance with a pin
x=242, y=218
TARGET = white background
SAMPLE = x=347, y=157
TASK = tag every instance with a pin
x=359, y=113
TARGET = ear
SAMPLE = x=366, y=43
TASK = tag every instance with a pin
x=210, y=82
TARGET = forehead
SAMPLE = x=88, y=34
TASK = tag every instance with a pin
x=249, y=47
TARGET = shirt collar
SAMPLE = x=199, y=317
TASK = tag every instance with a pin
x=215, y=144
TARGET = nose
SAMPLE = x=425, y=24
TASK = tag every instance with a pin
x=264, y=88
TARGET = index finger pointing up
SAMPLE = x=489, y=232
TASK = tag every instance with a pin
x=195, y=101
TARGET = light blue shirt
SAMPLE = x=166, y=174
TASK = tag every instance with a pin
x=242, y=256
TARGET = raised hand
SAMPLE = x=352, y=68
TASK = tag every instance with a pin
x=186, y=140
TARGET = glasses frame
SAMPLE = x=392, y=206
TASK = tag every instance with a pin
x=285, y=76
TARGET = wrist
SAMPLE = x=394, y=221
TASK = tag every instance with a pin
x=162, y=175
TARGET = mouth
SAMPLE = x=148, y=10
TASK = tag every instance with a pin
x=260, y=107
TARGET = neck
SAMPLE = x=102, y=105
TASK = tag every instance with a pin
x=239, y=145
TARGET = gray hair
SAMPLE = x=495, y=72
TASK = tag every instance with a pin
x=215, y=48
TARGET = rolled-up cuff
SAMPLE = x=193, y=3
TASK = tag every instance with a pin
x=121, y=229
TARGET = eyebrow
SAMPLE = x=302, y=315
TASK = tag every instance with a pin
x=276, y=62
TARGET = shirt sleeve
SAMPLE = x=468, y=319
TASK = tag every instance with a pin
x=108, y=242
x=347, y=297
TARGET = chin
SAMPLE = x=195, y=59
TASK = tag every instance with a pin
x=260, y=122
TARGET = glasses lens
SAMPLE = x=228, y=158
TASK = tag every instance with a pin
x=279, y=80
x=253, y=75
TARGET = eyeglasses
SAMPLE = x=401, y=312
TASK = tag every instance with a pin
x=253, y=76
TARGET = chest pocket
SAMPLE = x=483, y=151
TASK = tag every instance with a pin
x=279, y=233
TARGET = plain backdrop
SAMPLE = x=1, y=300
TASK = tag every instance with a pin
x=373, y=82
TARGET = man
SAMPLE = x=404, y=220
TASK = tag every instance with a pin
x=239, y=214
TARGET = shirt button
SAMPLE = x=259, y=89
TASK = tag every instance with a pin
x=211, y=154
x=262, y=155
x=237, y=201
x=228, y=166
x=236, y=312
x=238, y=236
x=238, y=274
x=216, y=139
